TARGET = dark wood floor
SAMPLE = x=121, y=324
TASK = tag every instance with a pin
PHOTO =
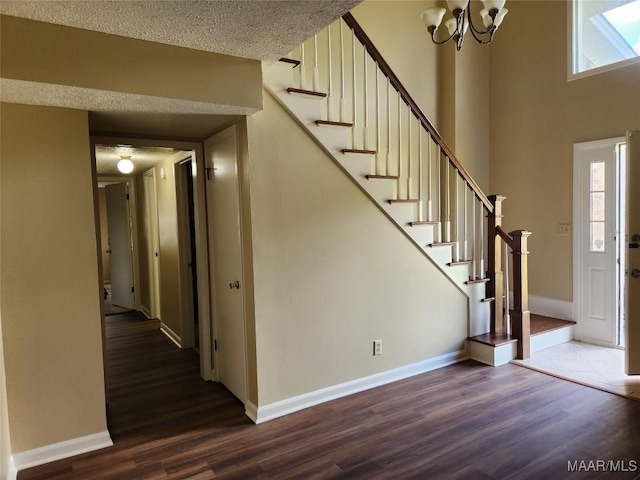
x=464, y=421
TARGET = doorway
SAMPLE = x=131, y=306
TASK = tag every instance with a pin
x=599, y=247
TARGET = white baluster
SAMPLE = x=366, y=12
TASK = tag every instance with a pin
x=409, y=187
x=420, y=204
x=439, y=192
x=378, y=154
x=388, y=159
x=316, y=72
x=474, y=250
x=447, y=195
x=303, y=73
x=465, y=249
x=429, y=182
x=365, y=130
x=355, y=103
x=343, y=106
x=399, y=142
x=481, y=272
x=330, y=79
x=456, y=249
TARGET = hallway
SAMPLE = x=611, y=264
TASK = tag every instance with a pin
x=463, y=421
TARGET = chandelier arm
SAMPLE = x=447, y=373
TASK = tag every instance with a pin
x=433, y=37
x=481, y=40
x=473, y=28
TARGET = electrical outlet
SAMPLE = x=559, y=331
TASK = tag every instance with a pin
x=564, y=229
x=377, y=347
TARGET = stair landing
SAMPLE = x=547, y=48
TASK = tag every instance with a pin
x=499, y=348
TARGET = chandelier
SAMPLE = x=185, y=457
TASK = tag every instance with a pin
x=492, y=15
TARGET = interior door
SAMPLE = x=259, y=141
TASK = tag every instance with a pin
x=632, y=320
x=121, y=259
x=223, y=207
x=596, y=163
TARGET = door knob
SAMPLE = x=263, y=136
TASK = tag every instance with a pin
x=235, y=284
x=635, y=273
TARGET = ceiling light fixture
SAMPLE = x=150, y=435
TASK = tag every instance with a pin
x=125, y=165
x=492, y=15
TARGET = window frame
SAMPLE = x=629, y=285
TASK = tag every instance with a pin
x=572, y=44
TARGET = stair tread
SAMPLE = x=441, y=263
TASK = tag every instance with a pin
x=422, y=222
x=293, y=62
x=477, y=280
x=493, y=339
x=330, y=123
x=306, y=92
x=355, y=150
x=404, y=200
x=382, y=177
x=442, y=244
x=541, y=324
x=460, y=262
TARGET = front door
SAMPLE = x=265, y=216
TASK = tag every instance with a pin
x=632, y=320
x=121, y=260
x=223, y=210
x=596, y=241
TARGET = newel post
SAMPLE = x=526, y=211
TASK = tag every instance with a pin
x=520, y=315
x=495, y=285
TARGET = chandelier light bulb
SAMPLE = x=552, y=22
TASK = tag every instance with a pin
x=125, y=165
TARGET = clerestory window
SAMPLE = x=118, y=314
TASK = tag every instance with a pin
x=605, y=35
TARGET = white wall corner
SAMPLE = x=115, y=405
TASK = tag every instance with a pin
x=60, y=450
x=12, y=473
x=300, y=402
x=251, y=411
x=173, y=336
x=145, y=311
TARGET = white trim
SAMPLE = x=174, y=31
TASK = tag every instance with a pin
x=552, y=338
x=551, y=307
x=306, y=400
x=173, y=336
x=490, y=355
x=145, y=311
x=251, y=411
x=12, y=471
x=577, y=225
x=60, y=450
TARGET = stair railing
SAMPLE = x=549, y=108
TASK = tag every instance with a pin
x=363, y=92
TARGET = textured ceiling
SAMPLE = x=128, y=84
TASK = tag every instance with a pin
x=143, y=158
x=259, y=29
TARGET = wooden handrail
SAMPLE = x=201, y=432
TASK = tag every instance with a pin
x=397, y=85
x=508, y=239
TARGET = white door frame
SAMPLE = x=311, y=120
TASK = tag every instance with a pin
x=133, y=214
x=578, y=191
x=206, y=359
x=153, y=248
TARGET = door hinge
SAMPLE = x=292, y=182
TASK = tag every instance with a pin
x=215, y=345
x=127, y=196
x=133, y=289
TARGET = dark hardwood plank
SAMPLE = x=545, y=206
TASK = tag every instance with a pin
x=463, y=421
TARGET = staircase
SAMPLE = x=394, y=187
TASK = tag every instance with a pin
x=341, y=91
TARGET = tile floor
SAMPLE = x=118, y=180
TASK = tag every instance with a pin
x=590, y=365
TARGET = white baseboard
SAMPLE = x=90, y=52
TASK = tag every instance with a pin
x=294, y=404
x=550, y=307
x=12, y=471
x=57, y=451
x=145, y=311
x=173, y=336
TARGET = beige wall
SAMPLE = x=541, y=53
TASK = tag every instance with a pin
x=46, y=53
x=50, y=307
x=332, y=274
x=170, y=307
x=536, y=117
x=104, y=236
x=143, y=259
